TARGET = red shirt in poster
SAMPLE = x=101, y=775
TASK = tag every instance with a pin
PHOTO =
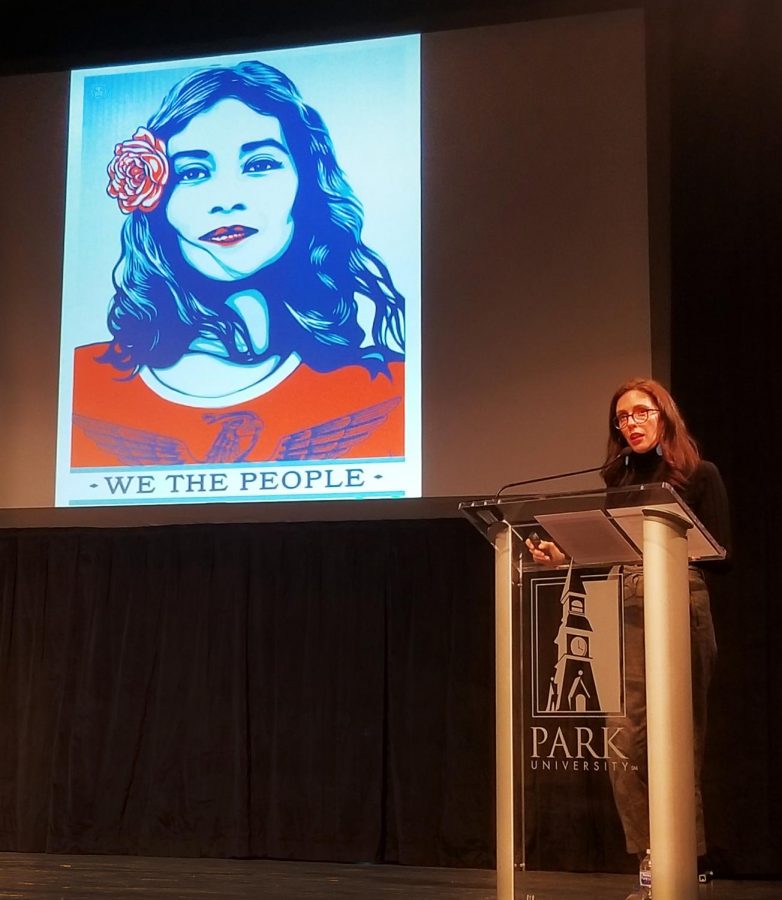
x=347, y=413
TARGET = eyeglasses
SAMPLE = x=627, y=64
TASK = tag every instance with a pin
x=639, y=415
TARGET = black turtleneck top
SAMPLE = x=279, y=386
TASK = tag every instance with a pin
x=704, y=493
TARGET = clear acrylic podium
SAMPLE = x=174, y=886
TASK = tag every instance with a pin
x=639, y=525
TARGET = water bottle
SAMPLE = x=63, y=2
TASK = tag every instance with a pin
x=645, y=875
x=644, y=890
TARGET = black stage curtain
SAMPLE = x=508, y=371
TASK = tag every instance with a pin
x=726, y=219
x=290, y=691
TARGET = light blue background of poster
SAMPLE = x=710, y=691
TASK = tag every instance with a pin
x=367, y=92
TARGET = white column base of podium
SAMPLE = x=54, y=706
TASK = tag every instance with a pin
x=504, y=563
x=669, y=707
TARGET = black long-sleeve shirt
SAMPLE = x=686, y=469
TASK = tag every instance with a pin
x=704, y=493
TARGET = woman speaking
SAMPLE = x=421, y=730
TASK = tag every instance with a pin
x=643, y=417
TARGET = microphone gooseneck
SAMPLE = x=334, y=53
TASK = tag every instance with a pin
x=625, y=454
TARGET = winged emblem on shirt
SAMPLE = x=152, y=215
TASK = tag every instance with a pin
x=237, y=436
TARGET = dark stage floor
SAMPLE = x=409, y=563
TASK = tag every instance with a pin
x=33, y=876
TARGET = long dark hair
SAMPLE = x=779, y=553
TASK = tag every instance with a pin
x=679, y=452
x=161, y=305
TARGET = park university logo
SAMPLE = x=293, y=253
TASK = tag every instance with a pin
x=576, y=668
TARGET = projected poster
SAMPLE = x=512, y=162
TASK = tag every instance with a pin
x=241, y=288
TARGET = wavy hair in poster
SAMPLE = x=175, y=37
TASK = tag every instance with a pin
x=242, y=287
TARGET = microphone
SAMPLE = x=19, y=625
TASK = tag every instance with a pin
x=624, y=454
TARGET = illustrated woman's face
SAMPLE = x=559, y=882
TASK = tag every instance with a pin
x=235, y=183
x=632, y=406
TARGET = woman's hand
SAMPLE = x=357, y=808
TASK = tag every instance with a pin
x=546, y=553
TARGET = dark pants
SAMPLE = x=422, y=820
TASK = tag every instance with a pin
x=631, y=786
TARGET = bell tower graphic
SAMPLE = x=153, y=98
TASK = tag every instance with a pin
x=572, y=687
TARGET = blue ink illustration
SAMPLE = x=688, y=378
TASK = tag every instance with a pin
x=249, y=320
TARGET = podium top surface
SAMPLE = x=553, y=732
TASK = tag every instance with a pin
x=594, y=527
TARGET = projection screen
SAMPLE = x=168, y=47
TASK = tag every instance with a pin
x=407, y=267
